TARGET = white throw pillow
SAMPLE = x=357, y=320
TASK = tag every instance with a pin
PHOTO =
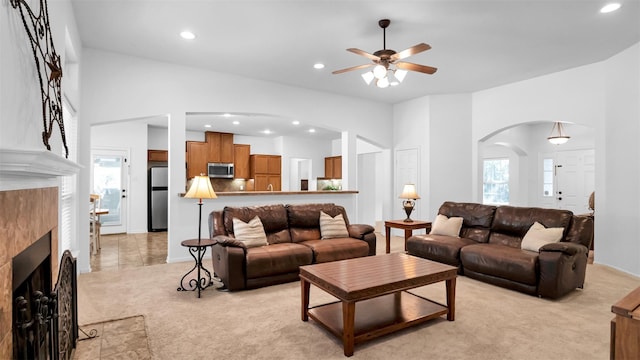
x=446, y=226
x=251, y=234
x=538, y=236
x=332, y=227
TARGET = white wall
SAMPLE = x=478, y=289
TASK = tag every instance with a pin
x=123, y=87
x=618, y=166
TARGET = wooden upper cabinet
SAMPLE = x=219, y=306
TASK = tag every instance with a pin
x=241, y=153
x=158, y=155
x=333, y=167
x=197, y=152
x=265, y=171
x=220, y=147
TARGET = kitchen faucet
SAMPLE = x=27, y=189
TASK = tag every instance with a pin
x=270, y=187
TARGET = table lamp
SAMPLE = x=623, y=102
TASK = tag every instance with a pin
x=409, y=193
x=200, y=189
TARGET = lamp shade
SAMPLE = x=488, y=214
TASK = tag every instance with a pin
x=409, y=192
x=558, y=136
x=201, y=188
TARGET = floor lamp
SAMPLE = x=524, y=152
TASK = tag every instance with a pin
x=200, y=189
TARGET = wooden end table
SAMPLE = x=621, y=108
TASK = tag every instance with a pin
x=408, y=229
x=373, y=296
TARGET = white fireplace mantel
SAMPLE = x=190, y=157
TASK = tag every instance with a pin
x=40, y=163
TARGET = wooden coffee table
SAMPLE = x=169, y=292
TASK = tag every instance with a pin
x=378, y=285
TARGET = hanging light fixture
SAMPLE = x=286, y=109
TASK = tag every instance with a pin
x=558, y=136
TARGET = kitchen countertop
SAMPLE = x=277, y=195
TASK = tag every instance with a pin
x=254, y=193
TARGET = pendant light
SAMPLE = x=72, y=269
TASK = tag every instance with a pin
x=558, y=136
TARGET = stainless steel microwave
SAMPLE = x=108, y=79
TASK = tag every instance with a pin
x=220, y=170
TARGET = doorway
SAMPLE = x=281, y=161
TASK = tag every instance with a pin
x=110, y=179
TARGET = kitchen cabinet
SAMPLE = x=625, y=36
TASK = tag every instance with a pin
x=241, y=154
x=220, y=147
x=265, y=170
x=261, y=183
x=158, y=155
x=333, y=167
x=265, y=164
x=197, y=152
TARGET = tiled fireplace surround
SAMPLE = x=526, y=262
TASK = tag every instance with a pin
x=25, y=216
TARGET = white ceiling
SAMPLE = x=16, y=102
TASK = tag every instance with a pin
x=475, y=44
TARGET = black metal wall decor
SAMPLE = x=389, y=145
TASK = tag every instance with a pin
x=48, y=66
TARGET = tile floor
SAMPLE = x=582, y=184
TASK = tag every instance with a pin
x=117, y=339
x=121, y=251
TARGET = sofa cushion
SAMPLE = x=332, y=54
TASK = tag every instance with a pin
x=276, y=259
x=250, y=233
x=273, y=217
x=336, y=249
x=511, y=223
x=501, y=261
x=440, y=248
x=332, y=227
x=449, y=226
x=477, y=218
x=538, y=236
x=304, y=219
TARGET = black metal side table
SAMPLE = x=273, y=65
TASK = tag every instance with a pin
x=203, y=278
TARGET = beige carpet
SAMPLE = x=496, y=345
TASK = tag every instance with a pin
x=491, y=322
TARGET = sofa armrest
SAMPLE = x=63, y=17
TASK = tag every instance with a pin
x=359, y=231
x=224, y=240
x=365, y=233
x=565, y=247
x=229, y=265
x=562, y=268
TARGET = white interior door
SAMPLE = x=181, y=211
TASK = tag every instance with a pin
x=406, y=173
x=110, y=179
x=575, y=179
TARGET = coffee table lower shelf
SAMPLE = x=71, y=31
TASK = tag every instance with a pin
x=380, y=315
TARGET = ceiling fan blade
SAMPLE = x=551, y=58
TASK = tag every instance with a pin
x=352, y=68
x=416, y=49
x=416, y=67
x=364, y=53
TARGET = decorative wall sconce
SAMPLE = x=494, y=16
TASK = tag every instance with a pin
x=48, y=65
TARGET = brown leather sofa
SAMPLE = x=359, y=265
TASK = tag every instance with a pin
x=488, y=248
x=294, y=239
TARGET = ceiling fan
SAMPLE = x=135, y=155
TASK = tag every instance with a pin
x=381, y=60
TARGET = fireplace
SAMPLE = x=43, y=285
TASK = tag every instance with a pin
x=34, y=309
x=29, y=235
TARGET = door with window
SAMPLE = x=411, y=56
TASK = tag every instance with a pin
x=109, y=179
x=568, y=180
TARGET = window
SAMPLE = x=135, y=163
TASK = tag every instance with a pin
x=495, y=181
x=547, y=177
x=68, y=186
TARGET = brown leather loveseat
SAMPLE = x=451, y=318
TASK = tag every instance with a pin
x=489, y=247
x=293, y=237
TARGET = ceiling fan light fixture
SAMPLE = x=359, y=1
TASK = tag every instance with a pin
x=382, y=83
x=379, y=72
x=400, y=74
x=368, y=77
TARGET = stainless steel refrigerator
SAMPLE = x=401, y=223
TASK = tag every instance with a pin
x=158, y=198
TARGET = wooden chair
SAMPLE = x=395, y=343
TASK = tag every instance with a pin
x=94, y=223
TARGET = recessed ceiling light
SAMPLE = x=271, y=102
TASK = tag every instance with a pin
x=312, y=130
x=207, y=126
x=226, y=115
x=318, y=66
x=610, y=7
x=236, y=122
x=267, y=131
x=187, y=35
x=295, y=122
